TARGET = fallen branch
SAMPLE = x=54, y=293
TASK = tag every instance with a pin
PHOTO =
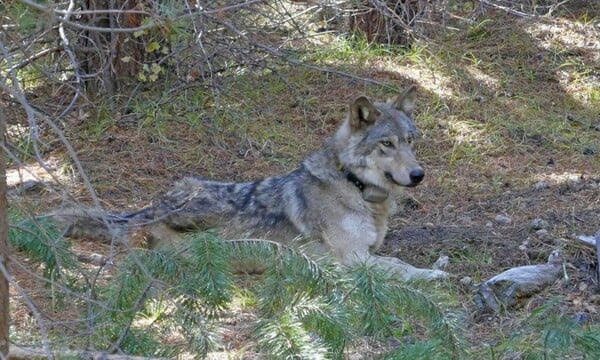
x=506, y=9
x=24, y=353
x=597, y=238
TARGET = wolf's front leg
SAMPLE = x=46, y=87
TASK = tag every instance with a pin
x=398, y=267
x=405, y=270
x=350, y=241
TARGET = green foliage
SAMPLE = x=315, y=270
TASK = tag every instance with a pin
x=210, y=270
x=385, y=308
x=300, y=305
x=562, y=335
x=193, y=282
x=43, y=243
x=373, y=293
x=425, y=350
x=27, y=19
x=548, y=334
x=305, y=308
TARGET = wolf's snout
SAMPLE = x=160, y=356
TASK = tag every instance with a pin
x=416, y=175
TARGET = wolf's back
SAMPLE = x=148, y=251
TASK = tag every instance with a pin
x=256, y=207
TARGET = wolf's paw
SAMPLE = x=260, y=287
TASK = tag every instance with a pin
x=437, y=274
x=424, y=274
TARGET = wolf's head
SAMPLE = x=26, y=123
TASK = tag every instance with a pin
x=374, y=144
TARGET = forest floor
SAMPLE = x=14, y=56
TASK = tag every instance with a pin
x=509, y=112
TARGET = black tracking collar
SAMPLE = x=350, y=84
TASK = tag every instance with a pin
x=353, y=179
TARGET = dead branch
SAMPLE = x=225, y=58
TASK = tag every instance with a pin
x=25, y=353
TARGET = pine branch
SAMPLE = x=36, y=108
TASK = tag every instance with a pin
x=285, y=338
x=42, y=241
x=211, y=272
x=372, y=296
x=441, y=326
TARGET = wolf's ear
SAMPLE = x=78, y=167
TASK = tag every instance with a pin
x=363, y=112
x=406, y=102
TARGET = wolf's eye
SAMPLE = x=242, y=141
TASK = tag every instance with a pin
x=387, y=143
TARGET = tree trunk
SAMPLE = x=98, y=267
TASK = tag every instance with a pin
x=101, y=54
x=4, y=249
x=386, y=21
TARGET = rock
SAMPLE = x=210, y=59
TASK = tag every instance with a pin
x=537, y=224
x=555, y=258
x=466, y=281
x=542, y=233
x=524, y=245
x=581, y=317
x=590, y=150
x=587, y=240
x=503, y=219
x=465, y=220
x=510, y=288
x=540, y=185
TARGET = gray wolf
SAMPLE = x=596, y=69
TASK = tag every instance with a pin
x=339, y=199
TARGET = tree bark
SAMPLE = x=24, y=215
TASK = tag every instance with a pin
x=101, y=53
x=4, y=249
x=387, y=21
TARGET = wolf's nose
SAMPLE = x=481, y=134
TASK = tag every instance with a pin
x=416, y=175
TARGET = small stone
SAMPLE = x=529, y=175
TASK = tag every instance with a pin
x=581, y=317
x=512, y=355
x=542, y=232
x=540, y=185
x=587, y=240
x=555, y=257
x=503, y=219
x=590, y=150
x=537, y=224
x=489, y=224
x=467, y=280
x=523, y=247
x=465, y=220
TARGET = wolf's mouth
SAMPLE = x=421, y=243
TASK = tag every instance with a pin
x=391, y=178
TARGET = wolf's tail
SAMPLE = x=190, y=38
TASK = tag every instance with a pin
x=96, y=224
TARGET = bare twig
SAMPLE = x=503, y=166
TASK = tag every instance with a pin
x=4, y=248
x=597, y=238
x=36, y=314
x=506, y=9
x=33, y=58
x=24, y=353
